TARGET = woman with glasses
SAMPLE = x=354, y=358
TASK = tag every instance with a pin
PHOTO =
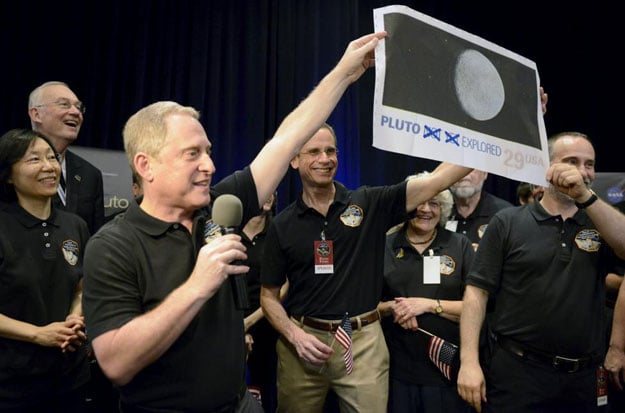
x=43, y=362
x=424, y=270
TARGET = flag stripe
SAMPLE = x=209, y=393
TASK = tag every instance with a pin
x=344, y=336
x=442, y=353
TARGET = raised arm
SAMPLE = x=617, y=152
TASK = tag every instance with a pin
x=610, y=222
x=272, y=162
x=419, y=190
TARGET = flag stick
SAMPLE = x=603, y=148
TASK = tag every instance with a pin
x=332, y=347
x=425, y=331
x=433, y=335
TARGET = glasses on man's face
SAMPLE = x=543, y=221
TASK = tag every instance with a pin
x=315, y=153
x=66, y=104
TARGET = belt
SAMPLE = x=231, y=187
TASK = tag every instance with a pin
x=326, y=325
x=560, y=363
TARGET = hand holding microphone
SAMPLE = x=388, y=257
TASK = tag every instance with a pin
x=227, y=213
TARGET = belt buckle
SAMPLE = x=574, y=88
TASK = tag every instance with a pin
x=560, y=362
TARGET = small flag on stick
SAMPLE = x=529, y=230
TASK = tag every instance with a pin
x=344, y=336
x=442, y=353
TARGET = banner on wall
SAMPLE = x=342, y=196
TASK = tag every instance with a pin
x=609, y=186
x=444, y=94
x=115, y=174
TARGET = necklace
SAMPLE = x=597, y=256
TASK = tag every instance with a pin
x=422, y=242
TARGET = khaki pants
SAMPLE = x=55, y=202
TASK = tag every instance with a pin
x=303, y=387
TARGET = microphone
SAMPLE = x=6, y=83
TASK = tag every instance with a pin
x=227, y=213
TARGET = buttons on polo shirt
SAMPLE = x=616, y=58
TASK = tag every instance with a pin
x=46, y=235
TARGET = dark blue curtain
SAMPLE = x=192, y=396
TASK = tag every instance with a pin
x=245, y=64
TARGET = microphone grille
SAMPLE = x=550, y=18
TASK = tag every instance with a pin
x=227, y=211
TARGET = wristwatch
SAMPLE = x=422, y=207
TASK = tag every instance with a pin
x=589, y=201
x=439, y=307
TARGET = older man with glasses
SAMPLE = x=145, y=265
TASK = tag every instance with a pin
x=56, y=112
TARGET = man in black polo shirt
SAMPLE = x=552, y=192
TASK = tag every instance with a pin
x=330, y=245
x=473, y=207
x=163, y=323
x=545, y=262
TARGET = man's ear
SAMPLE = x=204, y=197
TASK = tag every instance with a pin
x=143, y=166
x=33, y=114
x=295, y=162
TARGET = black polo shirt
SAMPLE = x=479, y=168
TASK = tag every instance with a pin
x=403, y=277
x=40, y=266
x=255, y=248
x=131, y=265
x=356, y=224
x=548, y=277
x=475, y=224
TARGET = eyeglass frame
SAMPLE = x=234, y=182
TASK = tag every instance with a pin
x=315, y=153
x=66, y=104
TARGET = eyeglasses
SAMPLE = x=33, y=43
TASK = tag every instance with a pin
x=315, y=153
x=66, y=104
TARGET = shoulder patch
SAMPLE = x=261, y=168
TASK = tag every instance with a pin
x=448, y=265
x=70, y=251
x=588, y=240
x=481, y=230
x=352, y=216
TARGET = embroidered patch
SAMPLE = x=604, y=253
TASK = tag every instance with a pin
x=211, y=231
x=588, y=240
x=448, y=265
x=70, y=251
x=481, y=230
x=399, y=253
x=352, y=216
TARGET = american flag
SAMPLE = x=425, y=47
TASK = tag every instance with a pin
x=344, y=336
x=442, y=353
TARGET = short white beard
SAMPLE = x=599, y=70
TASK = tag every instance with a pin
x=465, y=192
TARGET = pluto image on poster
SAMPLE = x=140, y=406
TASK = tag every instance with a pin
x=444, y=94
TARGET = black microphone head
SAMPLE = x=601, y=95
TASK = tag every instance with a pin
x=227, y=211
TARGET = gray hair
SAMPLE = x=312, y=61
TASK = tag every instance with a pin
x=35, y=97
x=445, y=198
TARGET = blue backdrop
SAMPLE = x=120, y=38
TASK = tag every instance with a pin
x=246, y=64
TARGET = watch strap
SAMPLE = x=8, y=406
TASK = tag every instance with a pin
x=439, y=307
x=588, y=202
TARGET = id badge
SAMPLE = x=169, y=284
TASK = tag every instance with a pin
x=432, y=269
x=602, y=386
x=324, y=257
x=451, y=225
